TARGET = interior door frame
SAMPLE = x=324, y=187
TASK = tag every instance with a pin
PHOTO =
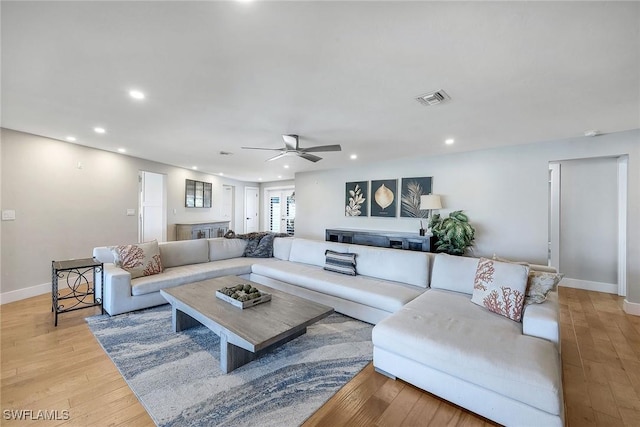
x=555, y=177
x=266, y=204
x=141, y=201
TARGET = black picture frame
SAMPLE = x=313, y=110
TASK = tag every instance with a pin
x=384, y=198
x=412, y=189
x=198, y=194
x=356, y=199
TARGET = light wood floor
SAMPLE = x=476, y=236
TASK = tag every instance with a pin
x=64, y=368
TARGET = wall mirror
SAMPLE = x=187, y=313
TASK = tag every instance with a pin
x=197, y=194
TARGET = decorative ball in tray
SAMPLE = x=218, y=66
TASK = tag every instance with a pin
x=243, y=295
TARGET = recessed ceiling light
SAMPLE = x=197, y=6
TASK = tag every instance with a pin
x=121, y=150
x=71, y=138
x=136, y=94
x=259, y=179
x=221, y=174
x=99, y=130
x=286, y=166
x=195, y=168
x=279, y=176
x=353, y=156
x=449, y=141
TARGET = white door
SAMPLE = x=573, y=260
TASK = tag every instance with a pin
x=281, y=211
x=251, y=214
x=153, y=221
x=227, y=204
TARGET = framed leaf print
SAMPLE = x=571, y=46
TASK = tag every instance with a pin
x=384, y=198
x=412, y=189
x=356, y=194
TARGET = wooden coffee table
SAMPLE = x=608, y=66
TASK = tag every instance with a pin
x=244, y=333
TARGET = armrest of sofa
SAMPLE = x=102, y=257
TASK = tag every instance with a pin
x=117, y=286
x=543, y=320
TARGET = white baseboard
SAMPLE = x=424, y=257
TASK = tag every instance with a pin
x=631, y=307
x=20, y=294
x=610, y=288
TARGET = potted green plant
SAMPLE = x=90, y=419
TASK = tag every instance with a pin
x=453, y=234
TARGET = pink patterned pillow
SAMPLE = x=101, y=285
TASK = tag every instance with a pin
x=142, y=259
x=500, y=287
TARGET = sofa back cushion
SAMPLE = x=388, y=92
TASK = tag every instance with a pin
x=223, y=248
x=184, y=252
x=282, y=247
x=392, y=264
x=454, y=273
x=103, y=254
x=312, y=251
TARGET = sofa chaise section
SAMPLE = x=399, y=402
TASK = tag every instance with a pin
x=449, y=346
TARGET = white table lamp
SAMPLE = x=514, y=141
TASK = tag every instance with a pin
x=430, y=202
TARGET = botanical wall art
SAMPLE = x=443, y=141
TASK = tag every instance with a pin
x=412, y=189
x=384, y=198
x=356, y=195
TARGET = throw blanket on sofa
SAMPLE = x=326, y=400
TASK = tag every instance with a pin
x=259, y=244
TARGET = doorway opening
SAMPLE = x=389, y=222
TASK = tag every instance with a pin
x=280, y=210
x=588, y=222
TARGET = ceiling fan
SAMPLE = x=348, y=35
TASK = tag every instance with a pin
x=291, y=146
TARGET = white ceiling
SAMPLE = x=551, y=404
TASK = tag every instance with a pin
x=220, y=75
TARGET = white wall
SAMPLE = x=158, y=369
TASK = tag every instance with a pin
x=64, y=212
x=504, y=191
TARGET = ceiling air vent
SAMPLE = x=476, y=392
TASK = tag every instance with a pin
x=433, y=98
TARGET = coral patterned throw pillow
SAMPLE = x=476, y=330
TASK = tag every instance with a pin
x=142, y=259
x=500, y=287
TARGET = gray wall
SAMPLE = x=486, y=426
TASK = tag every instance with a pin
x=589, y=219
x=504, y=191
x=63, y=212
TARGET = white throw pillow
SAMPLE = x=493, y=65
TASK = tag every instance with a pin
x=141, y=259
x=500, y=287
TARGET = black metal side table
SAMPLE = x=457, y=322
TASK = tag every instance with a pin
x=80, y=292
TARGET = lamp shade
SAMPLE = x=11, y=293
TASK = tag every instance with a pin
x=430, y=201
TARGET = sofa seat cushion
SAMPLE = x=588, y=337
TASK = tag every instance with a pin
x=381, y=294
x=446, y=331
x=176, y=276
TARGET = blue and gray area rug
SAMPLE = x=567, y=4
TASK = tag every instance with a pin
x=177, y=377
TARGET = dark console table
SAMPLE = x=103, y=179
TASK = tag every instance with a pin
x=383, y=239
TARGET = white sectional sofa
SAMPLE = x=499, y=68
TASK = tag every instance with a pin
x=387, y=278
x=507, y=371
x=436, y=338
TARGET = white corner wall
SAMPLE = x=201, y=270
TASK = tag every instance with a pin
x=63, y=211
x=504, y=191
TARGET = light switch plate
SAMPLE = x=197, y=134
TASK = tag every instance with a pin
x=8, y=215
x=131, y=212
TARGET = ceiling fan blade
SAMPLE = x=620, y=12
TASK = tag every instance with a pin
x=284, y=153
x=291, y=141
x=321, y=148
x=309, y=157
x=259, y=148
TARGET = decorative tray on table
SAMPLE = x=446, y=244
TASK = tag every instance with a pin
x=243, y=295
